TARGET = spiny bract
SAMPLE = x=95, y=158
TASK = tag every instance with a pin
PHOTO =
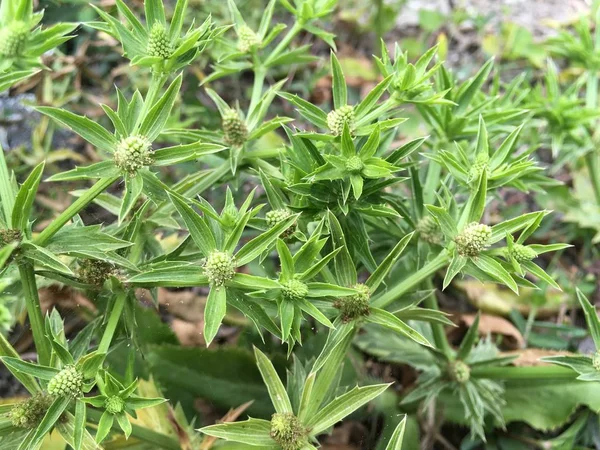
x=66, y=383
x=287, y=431
x=473, y=240
x=234, y=128
x=354, y=306
x=337, y=118
x=219, y=267
x=133, y=153
x=13, y=38
x=158, y=42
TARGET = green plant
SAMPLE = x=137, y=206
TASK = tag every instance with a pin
x=319, y=230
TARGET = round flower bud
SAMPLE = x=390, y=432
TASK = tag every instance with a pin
x=480, y=165
x=596, y=360
x=354, y=306
x=354, y=165
x=337, y=118
x=9, y=236
x=473, y=240
x=13, y=39
x=158, y=42
x=133, y=153
x=287, y=431
x=294, y=290
x=94, y=271
x=429, y=230
x=219, y=267
x=66, y=383
x=279, y=215
x=459, y=371
x=114, y=405
x=234, y=128
x=29, y=413
x=247, y=39
x=521, y=253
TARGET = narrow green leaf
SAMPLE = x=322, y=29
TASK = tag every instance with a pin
x=214, y=311
x=386, y=265
x=259, y=244
x=197, y=227
x=388, y=320
x=252, y=432
x=340, y=91
x=494, y=269
x=89, y=130
x=154, y=122
x=397, y=437
x=79, y=428
x=22, y=207
x=343, y=406
x=276, y=389
x=469, y=340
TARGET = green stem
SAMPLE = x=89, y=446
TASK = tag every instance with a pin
x=139, y=432
x=591, y=158
x=296, y=28
x=524, y=373
x=439, y=334
x=34, y=312
x=260, y=73
x=87, y=198
x=412, y=281
x=156, y=82
x=113, y=321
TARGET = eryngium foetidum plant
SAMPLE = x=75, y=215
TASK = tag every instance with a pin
x=348, y=230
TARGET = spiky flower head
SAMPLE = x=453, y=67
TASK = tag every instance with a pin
x=337, y=118
x=429, y=230
x=279, y=215
x=354, y=306
x=287, y=431
x=133, y=153
x=480, y=165
x=354, y=164
x=522, y=253
x=596, y=360
x=9, y=236
x=13, y=38
x=158, y=42
x=114, y=404
x=234, y=128
x=294, y=290
x=219, y=267
x=66, y=383
x=94, y=271
x=29, y=413
x=459, y=371
x=473, y=240
x=247, y=39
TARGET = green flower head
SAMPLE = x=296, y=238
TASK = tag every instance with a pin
x=354, y=306
x=294, y=290
x=219, y=267
x=29, y=413
x=158, y=42
x=473, y=240
x=337, y=118
x=287, y=431
x=234, y=128
x=13, y=39
x=133, y=153
x=66, y=383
